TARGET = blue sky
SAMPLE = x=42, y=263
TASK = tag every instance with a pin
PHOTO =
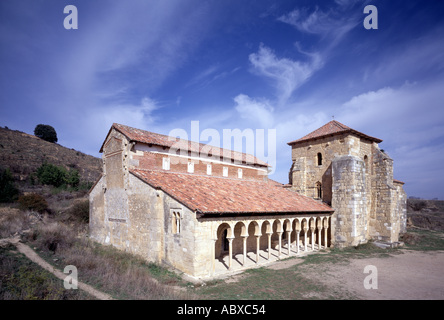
x=287, y=66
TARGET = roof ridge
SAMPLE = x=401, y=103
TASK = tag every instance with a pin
x=332, y=127
x=340, y=125
x=222, y=151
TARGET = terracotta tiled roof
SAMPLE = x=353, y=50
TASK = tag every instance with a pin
x=332, y=128
x=148, y=137
x=398, y=181
x=217, y=195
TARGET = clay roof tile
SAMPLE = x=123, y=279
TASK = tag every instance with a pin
x=218, y=195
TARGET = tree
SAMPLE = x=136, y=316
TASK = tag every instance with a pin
x=45, y=132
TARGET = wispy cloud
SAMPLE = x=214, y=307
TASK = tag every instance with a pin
x=331, y=25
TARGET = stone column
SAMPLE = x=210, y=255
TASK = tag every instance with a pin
x=244, y=240
x=258, y=237
x=269, y=245
x=319, y=238
x=312, y=238
x=297, y=240
x=325, y=236
x=280, y=243
x=230, y=252
x=288, y=241
x=305, y=239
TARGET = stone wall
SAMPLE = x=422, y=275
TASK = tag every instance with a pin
x=153, y=160
x=349, y=201
x=388, y=217
x=129, y=214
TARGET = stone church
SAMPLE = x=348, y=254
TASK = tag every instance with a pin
x=205, y=210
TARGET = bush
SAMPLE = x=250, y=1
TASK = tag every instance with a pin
x=33, y=201
x=45, y=132
x=73, y=178
x=51, y=175
x=80, y=210
x=11, y=221
x=53, y=237
x=8, y=192
x=417, y=205
x=57, y=176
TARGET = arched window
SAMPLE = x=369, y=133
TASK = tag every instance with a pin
x=318, y=190
x=319, y=158
x=176, y=222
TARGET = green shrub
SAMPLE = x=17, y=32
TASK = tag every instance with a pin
x=8, y=192
x=57, y=176
x=73, y=178
x=51, y=175
x=33, y=201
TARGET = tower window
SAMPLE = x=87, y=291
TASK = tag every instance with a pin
x=319, y=190
x=319, y=158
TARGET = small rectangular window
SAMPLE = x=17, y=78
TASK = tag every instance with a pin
x=166, y=163
x=225, y=172
x=191, y=167
x=239, y=173
x=209, y=169
x=319, y=158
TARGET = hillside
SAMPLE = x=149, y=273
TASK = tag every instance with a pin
x=23, y=153
x=426, y=214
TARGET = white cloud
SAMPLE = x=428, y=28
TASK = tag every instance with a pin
x=409, y=121
x=331, y=26
x=317, y=22
x=287, y=75
x=260, y=112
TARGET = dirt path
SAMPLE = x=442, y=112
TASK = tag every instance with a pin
x=409, y=275
x=412, y=275
x=30, y=254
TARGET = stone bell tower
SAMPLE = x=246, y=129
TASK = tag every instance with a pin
x=346, y=169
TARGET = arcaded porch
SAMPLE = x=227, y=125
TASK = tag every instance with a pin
x=245, y=244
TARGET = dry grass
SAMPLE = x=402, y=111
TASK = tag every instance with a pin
x=62, y=240
x=13, y=221
x=120, y=274
x=21, y=279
